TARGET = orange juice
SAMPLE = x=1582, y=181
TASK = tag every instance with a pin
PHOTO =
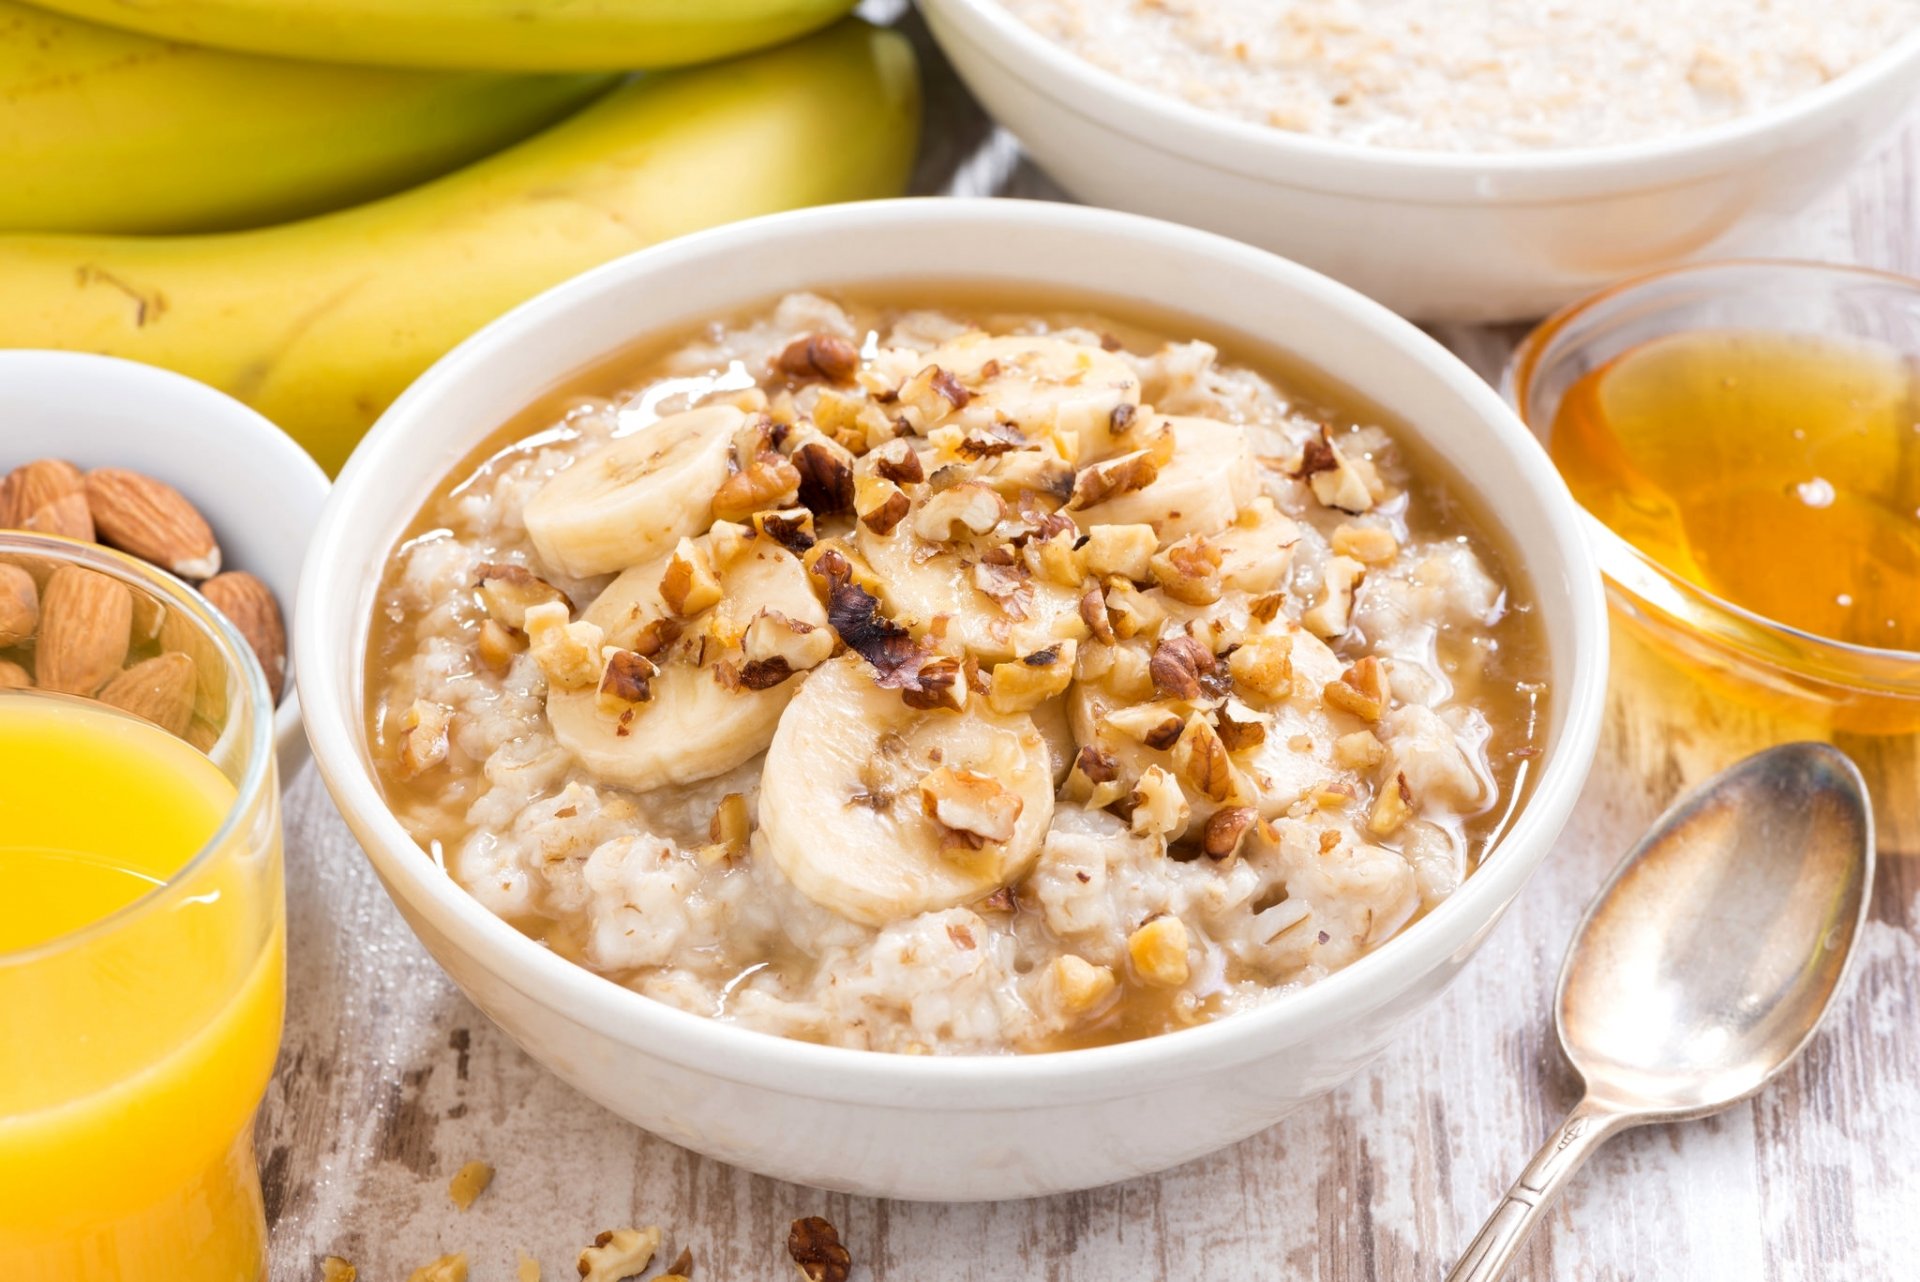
x=141, y=991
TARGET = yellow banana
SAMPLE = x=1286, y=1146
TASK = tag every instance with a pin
x=528, y=35
x=102, y=130
x=319, y=324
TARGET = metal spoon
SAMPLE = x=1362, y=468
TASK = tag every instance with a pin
x=1704, y=965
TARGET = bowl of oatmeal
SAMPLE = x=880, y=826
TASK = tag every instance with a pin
x=1457, y=161
x=862, y=697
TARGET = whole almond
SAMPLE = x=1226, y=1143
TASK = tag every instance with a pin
x=14, y=677
x=153, y=521
x=19, y=605
x=32, y=486
x=249, y=606
x=85, y=621
x=159, y=689
x=68, y=516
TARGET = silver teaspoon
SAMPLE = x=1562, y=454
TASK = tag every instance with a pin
x=1704, y=965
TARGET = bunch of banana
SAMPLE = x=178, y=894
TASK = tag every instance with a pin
x=543, y=35
x=103, y=130
x=319, y=324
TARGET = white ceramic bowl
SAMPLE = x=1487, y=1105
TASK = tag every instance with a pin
x=1433, y=235
x=257, y=488
x=940, y=1127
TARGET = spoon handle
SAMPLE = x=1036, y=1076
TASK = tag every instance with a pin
x=1585, y=1129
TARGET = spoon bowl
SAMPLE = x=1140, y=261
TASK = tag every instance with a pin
x=1705, y=963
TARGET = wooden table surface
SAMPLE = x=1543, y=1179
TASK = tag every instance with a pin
x=390, y=1080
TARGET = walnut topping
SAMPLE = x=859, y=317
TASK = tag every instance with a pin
x=819, y=358
x=924, y=678
x=1239, y=727
x=727, y=830
x=1362, y=690
x=509, y=591
x=1079, y=984
x=423, y=737
x=496, y=646
x=1158, y=951
x=770, y=480
x=1096, y=765
x=1358, y=751
x=774, y=639
x=826, y=477
x=1038, y=472
x=625, y=683
x=791, y=528
x=1178, y=665
x=1226, y=829
x=815, y=1247
x=1125, y=550
x=1393, y=807
x=568, y=653
x=1265, y=609
x=932, y=394
x=1335, y=481
x=1189, y=570
x=899, y=462
x=1098, y=482
x=1367, y=544
x=1202, y=760
x=689, y=584
x=619, y=1253
x=1132, y=612
x=1052, y=557
x=1093, y=613
x=1027, y=682
x=1264, y=664
x=989, y=440
x=1159, y=806
x=965, y=801
x=881, y=504
x=1329, y=616
x=1154, y=724
x=656, y=636
x=968, y=505
x=1006, y=584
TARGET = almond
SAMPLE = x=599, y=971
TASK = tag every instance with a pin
x=153, y=521
x=85, y=621
x=32, y=486
x=249, y=606
x=69, y=516
x=19, y=605
x=159, y=689
x=14, y=677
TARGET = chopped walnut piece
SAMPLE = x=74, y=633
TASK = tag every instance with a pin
x=1093, y=613
x=1202, y=760
x=508, y=591
x=1052, y=557
x=1335, y=481
x=1094, y=780
x=969, y=505
x=527, y=1270
x=497, y=646
x=1131, y=612
x=932, y=394
x=1008, y=585
x=966, y=801
x=770, y=480
x=1025, y=683
x=1189, y=571
x=1096, y=765
x=1265, y=609
x=1159, y=806
x=925, y=679
x=881, y=505
x=773, y=635
x=791, y=528
x=1391, y=808
x=335, y=1269
x=1096, y=483
x=819, y=358
x=1041, y=473
x=1178, y=667
x=1080, y=984
x=1226, y=829
x=689, y=584
x=656, y=636
x=899, y=462
x=814, y=1245
x=1358, y=751
x=1362, y=690
x=826, y=477
x=625, y=682
x=730, y=825
x=468, y=1183
x=1154, y=724
x=448, y=1268
x=1264, y=664
x=1158, y=951
x=989, y=440
x=423, y=737
x=1239, y=727
x=619, y=1253
x=568, y=653
x=1329, y=616
x=681, y=1270
x=1125, y=550
x=1367, y=544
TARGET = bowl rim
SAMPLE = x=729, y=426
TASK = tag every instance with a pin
x=936, y=1082
x=1830, y=655
x=260, y=435
x=1265, y=151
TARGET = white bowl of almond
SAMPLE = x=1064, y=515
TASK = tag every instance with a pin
x=168, y=470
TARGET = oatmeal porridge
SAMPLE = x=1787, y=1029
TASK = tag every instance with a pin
x=1476, y=75
x=952, y=681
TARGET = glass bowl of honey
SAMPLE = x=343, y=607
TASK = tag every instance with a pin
x=1745, y=437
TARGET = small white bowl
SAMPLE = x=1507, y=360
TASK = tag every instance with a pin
x=1434, y=235
x=257, y=488
x=934, y=1126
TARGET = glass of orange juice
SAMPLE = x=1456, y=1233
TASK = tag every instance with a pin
x=142, y=925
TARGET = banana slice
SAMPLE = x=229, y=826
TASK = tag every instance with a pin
x=695, y=725
x=631, y=500
x=842, y=810
x=1200, y=490
x=1042, y=383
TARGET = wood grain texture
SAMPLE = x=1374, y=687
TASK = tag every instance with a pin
x=389, y=1080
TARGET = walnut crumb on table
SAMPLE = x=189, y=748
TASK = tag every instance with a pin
x=448, y=1268
x=468, y=1183
x=335, y=1269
